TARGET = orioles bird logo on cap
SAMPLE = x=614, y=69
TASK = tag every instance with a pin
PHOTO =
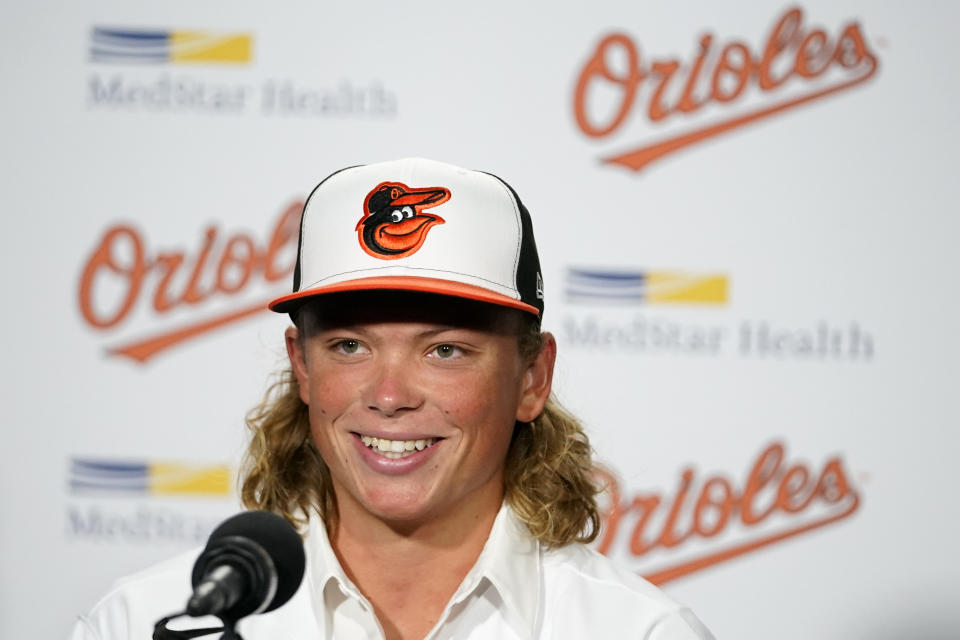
x=394, y=224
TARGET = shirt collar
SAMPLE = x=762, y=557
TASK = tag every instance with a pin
x=510, y=560
x=324, y=571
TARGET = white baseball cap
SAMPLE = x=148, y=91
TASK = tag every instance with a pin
x=416, y=225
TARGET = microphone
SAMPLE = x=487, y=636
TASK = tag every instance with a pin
x=253, y=562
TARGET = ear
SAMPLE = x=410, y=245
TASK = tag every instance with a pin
x=538, y=381
x=298, y=361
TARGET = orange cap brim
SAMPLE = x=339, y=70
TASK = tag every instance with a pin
x=288, y=302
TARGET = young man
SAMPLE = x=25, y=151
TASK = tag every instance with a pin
x=442, y=492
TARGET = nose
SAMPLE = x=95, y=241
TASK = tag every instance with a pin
x=393, y=390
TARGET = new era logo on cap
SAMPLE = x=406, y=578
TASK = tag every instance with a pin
x=417, y=225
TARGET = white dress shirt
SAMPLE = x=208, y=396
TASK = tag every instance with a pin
x=516, y=590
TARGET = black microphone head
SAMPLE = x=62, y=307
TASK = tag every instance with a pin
x=275, y=536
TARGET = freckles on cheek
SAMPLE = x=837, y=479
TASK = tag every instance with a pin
x=472, y=410
x=331, y=395
x=473, y=399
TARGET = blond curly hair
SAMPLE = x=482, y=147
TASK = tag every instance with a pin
x=548, y=480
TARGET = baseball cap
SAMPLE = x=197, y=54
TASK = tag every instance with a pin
x=416, y=225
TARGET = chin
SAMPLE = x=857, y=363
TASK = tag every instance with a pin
x=391, y=507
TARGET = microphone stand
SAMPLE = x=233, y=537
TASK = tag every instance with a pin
x=161, y=632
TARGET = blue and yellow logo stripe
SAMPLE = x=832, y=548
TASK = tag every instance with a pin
x=149, y=478
x=176, y=47
x=646, y=287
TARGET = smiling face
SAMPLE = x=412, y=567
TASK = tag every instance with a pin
x=413, y=400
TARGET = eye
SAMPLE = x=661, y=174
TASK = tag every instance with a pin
x=348, y=347
x=446, y=351
x=396, y=215
x=407, y=211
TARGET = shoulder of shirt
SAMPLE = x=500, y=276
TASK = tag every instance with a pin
x=160, y=589
x=596, y=571
x=172, y=573
x=577, y=573
x=134, y=603
x=577, y=567
x=614, y=596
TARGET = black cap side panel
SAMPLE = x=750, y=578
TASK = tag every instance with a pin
x=529, y=280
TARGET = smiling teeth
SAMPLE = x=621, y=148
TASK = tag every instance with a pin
x=396, y=448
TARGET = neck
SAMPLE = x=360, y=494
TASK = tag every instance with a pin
x=410, y=570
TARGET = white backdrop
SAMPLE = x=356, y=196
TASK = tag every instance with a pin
x=757, y=326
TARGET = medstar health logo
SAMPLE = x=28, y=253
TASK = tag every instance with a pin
x=138, y=477
x=139, y=46
x=394, y=224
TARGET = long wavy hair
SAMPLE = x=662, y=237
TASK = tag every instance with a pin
x=548, y=480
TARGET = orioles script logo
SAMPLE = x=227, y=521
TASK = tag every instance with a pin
x=777, y=501
x=716, y=77
x=393, y=223
x=121, y=273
